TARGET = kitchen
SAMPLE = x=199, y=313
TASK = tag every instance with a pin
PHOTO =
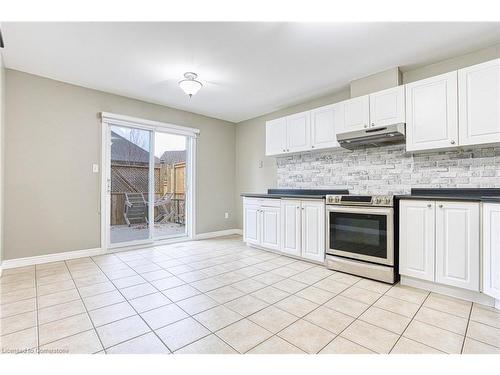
x=415, y=199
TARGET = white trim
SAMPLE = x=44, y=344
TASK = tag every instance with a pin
x=220, y=233
x=138, y=122
x=55, y=257
x=464, y=294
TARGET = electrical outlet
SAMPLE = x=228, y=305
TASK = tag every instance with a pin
x=226, y=215
x=95, y=168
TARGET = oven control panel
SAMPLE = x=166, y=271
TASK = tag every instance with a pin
x=361, y=200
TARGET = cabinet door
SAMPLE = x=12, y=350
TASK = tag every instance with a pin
x=416, y=239
x=457, y=244
x=479, y=103
x=325, y=123
x=251, y=224
x=431, y=113
x=298, y=132
x=276, y=136
x=313, y=230
x=387, y=107
x=491, y=250
x=356, y=113
x=270, y=227
x=290, y=227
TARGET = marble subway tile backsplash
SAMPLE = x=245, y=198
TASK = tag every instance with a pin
x=391, y=170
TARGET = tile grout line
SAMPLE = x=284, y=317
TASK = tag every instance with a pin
x=126, y=299
x=84, y=306
x=466, y=328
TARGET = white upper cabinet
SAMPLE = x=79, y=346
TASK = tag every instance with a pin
x=416, y=239
x=431, y=113
x=491, y=250
x=387, y=107
x=276, y=136
x=479, y=103
x=457, y=244
x=356, y=113
x=324, y=124
x=298, y=132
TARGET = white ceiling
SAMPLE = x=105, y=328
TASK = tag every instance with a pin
x=248, y=69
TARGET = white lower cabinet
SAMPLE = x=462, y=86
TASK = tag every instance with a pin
x=457, y=244
x=416, y=239
x=291, y=227
x=261, y=222
x=440, y=242
x=313, y=230
x=303, y=229
x=270, y=237
x=491, y=249
x=251, y=223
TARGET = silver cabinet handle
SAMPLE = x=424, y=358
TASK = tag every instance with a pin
x=429, y=205
x=452, y=141
x=284, y=150
x=312, y=146
x=366, y=126
x=440, y=206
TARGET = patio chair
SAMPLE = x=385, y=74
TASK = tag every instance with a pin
x=165, y=209
x=136, y=209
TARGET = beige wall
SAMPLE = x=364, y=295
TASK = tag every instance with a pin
x=250, y=134
x=52, y=137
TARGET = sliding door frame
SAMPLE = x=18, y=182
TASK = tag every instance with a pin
x=110, y=119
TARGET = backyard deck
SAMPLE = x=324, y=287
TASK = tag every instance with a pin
x=124, y=233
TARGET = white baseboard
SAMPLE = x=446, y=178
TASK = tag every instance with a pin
x=451, y=291
x=40, y=259
x=219, y=233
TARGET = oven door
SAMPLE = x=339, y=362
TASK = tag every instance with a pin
x=364, y=233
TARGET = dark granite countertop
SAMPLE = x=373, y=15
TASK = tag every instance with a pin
x=455, y=194
x=296, y=193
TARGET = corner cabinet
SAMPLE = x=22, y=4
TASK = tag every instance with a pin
x=440, y=242
x=431, y=113
x=479, y=103
x=491, y=249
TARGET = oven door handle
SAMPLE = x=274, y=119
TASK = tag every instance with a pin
x=361, y=210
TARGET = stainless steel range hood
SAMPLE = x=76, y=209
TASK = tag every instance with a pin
x=373, y=137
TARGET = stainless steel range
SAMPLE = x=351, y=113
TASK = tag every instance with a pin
x=360, y=235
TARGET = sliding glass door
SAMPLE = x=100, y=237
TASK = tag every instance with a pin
x=130, y=170
x=170, y=185
x=147, y=194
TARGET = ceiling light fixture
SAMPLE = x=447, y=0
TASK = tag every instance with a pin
x=190, y=85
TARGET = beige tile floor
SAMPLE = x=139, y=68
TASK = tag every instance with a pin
x=220, y=296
